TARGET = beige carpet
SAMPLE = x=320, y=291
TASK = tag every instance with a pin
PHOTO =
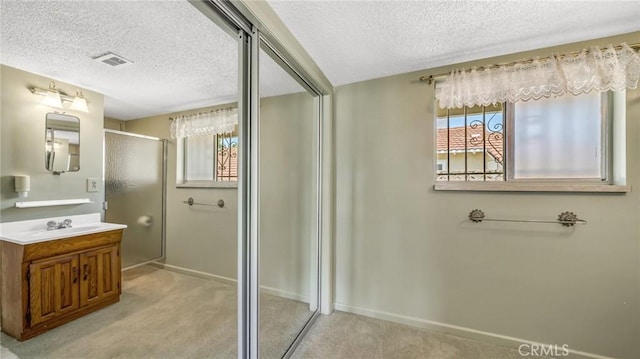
x=164, y=314
x=345, y=335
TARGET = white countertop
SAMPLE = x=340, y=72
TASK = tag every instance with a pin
x=34, y=231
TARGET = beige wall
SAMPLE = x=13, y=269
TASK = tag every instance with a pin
x=205, y=238
x=406, y=252
x=113, y=124
x=287, y=193
x=22, y=127
x=197, y=238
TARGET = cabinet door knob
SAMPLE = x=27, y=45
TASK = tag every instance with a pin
x=74, y=270
x=85, y=272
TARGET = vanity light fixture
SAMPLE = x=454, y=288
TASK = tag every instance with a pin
x=79, y=102
x=55, y=99
x=51, y=96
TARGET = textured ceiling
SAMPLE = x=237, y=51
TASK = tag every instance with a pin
x=181, y=60
x=353, y=41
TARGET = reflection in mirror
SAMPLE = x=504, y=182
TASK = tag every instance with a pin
x=176, y=62
x=62, y=143
x=288, y=208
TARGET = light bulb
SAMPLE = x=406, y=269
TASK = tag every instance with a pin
x=52, y=97
x=79, y=103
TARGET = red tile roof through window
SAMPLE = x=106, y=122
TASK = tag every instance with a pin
x=474, y=141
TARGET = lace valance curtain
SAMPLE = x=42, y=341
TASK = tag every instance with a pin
x=205, y=123
x=593, y=69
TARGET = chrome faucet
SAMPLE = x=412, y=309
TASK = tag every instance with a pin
x=51, y=225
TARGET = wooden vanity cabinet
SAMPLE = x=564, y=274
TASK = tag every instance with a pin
x=50, y=283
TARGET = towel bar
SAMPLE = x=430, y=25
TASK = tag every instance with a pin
x=567, y=219
x=190, y=201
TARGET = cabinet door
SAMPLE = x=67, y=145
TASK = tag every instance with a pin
x=53, y=288
x=100, y=275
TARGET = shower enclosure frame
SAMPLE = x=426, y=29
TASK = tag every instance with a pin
x=163, y=230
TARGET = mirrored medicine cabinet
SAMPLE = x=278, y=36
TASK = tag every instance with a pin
x=62, y=143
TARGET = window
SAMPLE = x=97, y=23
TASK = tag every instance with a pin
x=560, y=138
x=226, y=158
x=209, y=160
x=565, y=138
x=470, y=144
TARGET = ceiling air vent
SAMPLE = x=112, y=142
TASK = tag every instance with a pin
x=112, y=59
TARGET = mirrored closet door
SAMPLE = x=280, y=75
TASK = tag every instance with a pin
x=288, y=205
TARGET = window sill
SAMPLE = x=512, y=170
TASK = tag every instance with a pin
x=207, y=184
x=529, y=187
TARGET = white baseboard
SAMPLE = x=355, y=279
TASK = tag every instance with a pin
x=268, y=290
x=195, y=273
x=284, y=294
x=149, y=262
x=457, y=330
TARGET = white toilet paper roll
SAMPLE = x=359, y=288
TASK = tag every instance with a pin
x=145, y=221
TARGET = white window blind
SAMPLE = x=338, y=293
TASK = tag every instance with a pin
x=558, y=138
x=200, y=159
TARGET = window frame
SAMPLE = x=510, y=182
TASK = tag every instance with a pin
x=609, y=133
x=181, y=168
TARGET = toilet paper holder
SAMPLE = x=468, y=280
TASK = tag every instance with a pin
x=145, y=221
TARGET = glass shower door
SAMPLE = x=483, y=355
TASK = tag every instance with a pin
x=134, y=191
